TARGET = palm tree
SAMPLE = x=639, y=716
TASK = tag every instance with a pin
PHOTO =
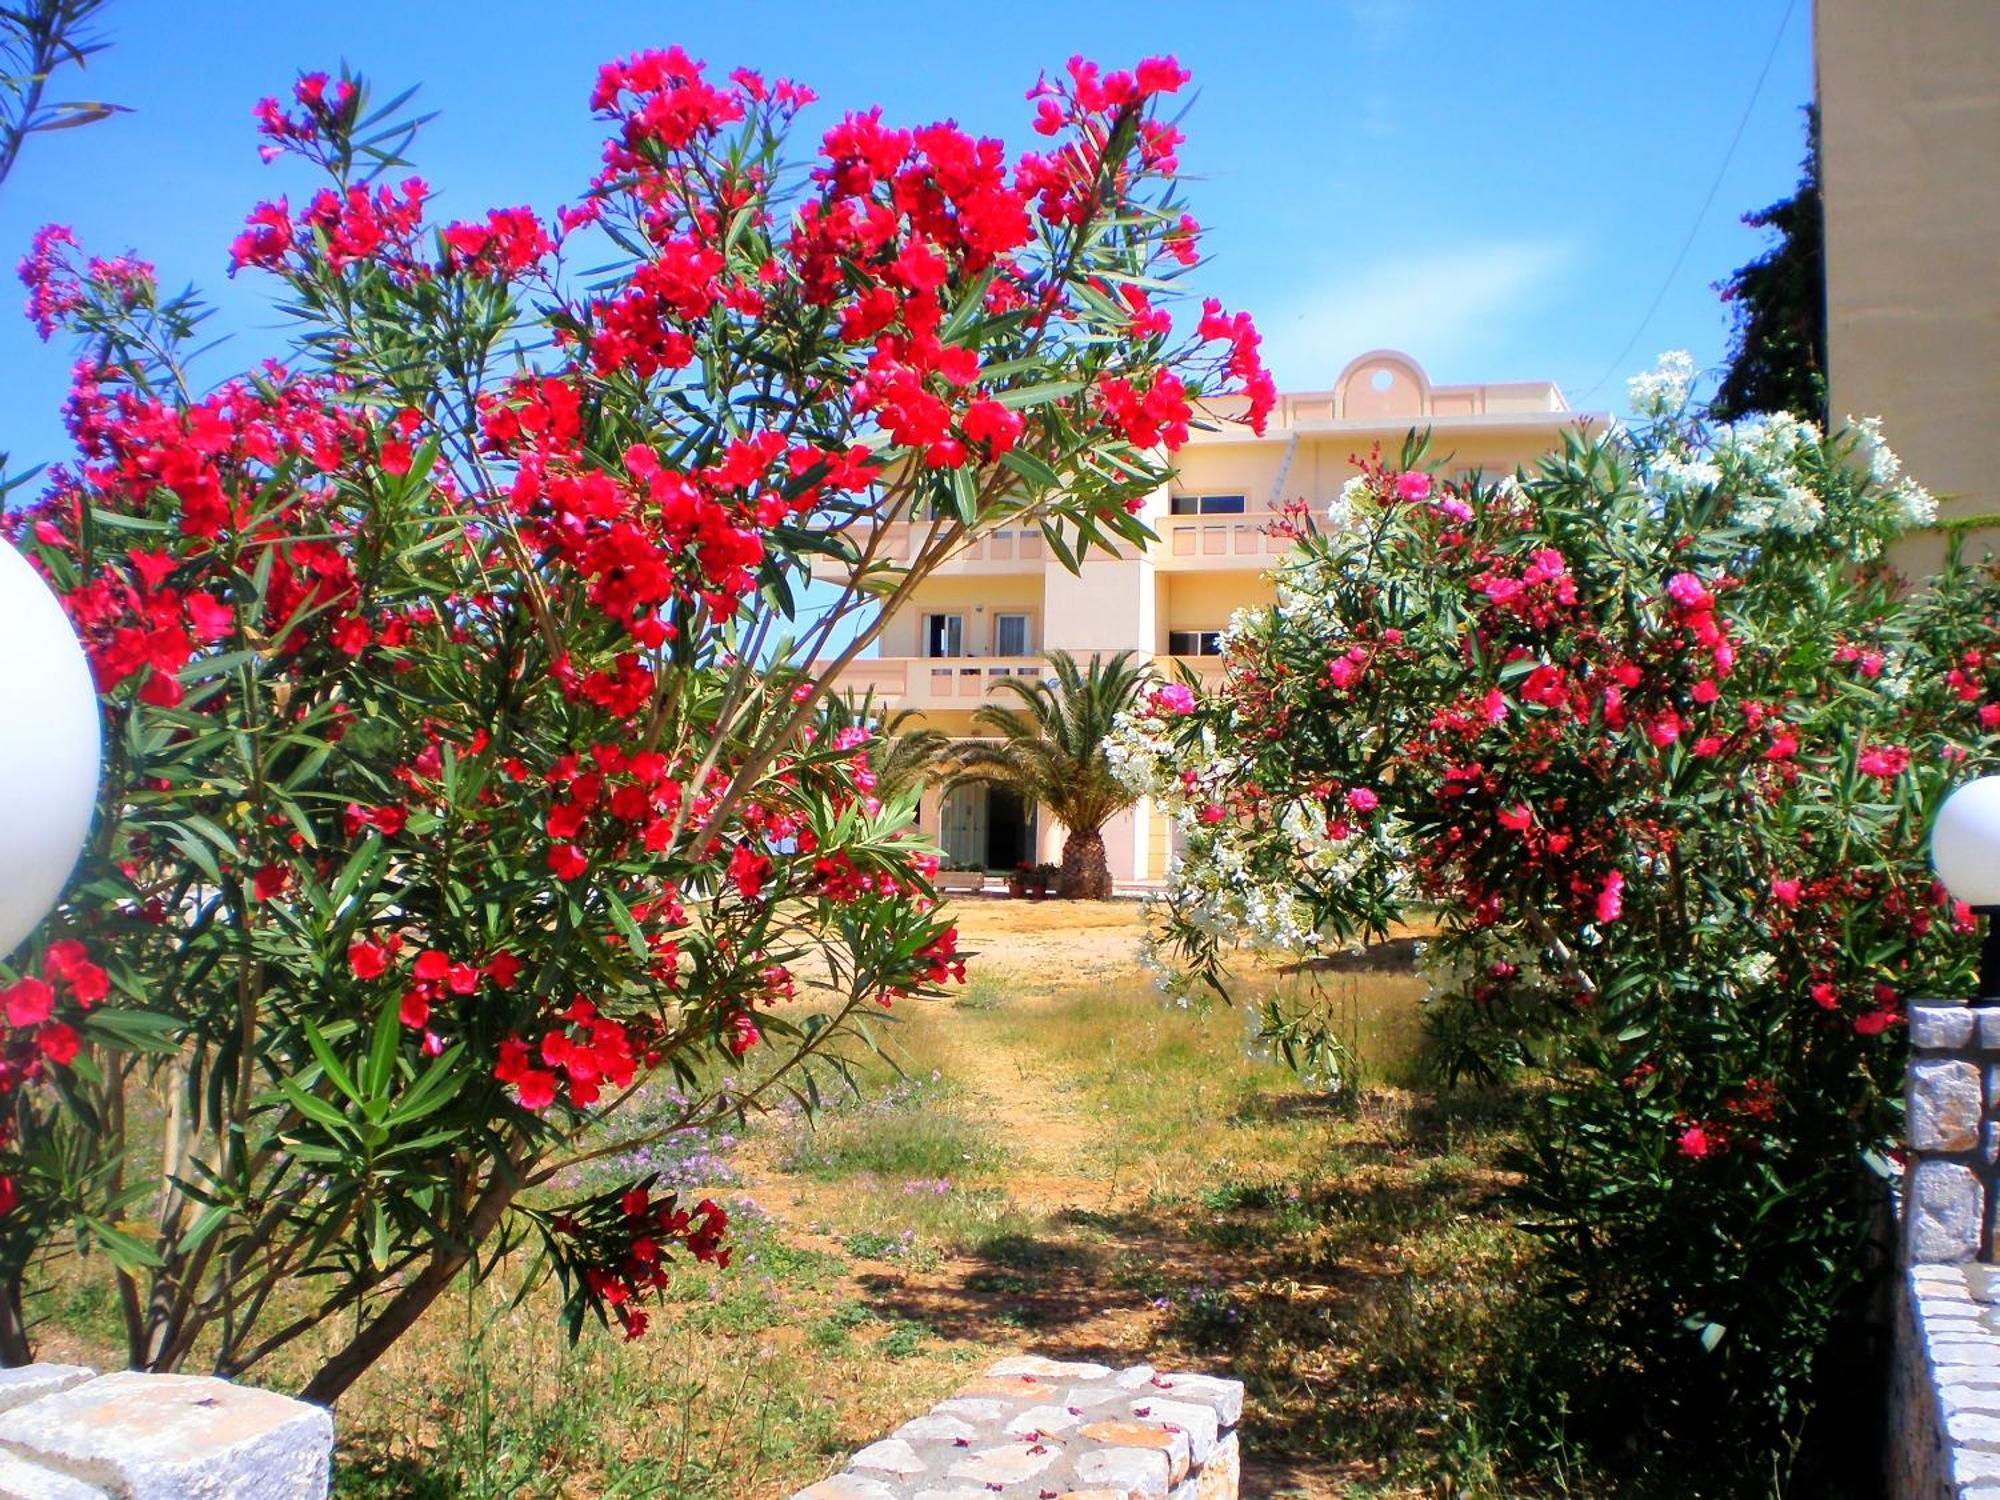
x=1051, y=750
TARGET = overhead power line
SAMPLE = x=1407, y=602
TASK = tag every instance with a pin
x=1701, y=213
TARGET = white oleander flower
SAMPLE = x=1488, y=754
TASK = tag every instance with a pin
x=1663, y=390
x=1353, y=495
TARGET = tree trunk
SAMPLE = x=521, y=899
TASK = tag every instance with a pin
x=1086, y=873
x=15, y=1349
x=403, y=1310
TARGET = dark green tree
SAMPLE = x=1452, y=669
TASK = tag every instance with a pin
x=1777, y=354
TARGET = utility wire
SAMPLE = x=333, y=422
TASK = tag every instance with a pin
x=1701, y=213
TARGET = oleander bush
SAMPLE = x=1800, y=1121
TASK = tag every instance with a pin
x=1657, y=736
x=465, y=671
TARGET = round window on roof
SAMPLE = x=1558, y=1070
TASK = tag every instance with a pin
x=1381, y=380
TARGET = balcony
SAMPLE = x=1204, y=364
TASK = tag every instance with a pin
x=1217, y=543
x=942, y=682
x=1006, y=550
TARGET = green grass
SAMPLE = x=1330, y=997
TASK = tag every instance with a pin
x=1353, y=1262
x=915, y=1132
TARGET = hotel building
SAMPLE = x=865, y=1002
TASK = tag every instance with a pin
x=991, y=610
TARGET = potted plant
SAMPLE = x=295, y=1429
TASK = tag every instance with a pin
x=1017, y=880
x=1042, y=879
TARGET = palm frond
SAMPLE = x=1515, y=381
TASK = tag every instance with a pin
x=1049, y=744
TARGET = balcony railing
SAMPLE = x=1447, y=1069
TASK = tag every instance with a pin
x=938, y=681
x=1217, y=542
x=1000, y=551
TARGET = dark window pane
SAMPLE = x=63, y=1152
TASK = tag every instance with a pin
x=1185, y=505
x=1222, y=505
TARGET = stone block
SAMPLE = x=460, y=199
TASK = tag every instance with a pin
x=1049, y=1369
x=1986, y=1020
x=1172, y=1442
x=1974, y=1429
x=21, y=1480
x=1957, y=1397
x=997, y=1467
x=1944, y=1105
x=1943, y=1213
x=168, y=1437
x=1944, y=1281
x=1199, y=1422
x=1224, y=1396
x=1083, y=1398
x=1018, y=1387
x=890, y=1456
x=1041, y=1419
x=937, y=1427
x=972, y=1408
x=1970, y=1464
x=1941, y=1025
x=846, y=1487
x=1223, y=1472
x=32, y=1382
x=1133, y=1471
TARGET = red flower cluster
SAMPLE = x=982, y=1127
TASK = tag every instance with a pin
x=580, y=1055
x=33, y=1039
x=632, y=1251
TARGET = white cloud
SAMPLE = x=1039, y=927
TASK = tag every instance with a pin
x=1447, y=308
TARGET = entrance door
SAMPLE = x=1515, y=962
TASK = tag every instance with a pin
x=1007, y=840
x=962, y=825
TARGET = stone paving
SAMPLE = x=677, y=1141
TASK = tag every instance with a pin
x=1058, y=1430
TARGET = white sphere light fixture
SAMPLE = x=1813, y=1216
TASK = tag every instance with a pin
x=1965, y=852
x=49, y=749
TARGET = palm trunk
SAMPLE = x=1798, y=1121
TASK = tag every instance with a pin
x=1086, y=873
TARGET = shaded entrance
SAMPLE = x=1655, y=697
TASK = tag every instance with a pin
x=984, y=825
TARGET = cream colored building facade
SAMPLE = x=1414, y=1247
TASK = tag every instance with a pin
x=1909, y=100
x=990, y=612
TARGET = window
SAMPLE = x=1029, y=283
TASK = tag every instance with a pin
x=1010, y=635
x=1207, y=505
x=1194, y=643
x=944, y=635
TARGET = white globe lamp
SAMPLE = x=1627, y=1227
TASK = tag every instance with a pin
x=1965, y=852
x=49, y=748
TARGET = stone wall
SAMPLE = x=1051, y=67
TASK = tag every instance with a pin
x=67, y=1433
x=1945, y=1389
x=1056, y=1430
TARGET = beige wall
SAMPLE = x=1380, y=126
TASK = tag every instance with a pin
x=1910, y=162
x=1205, y=601
x=1106, y=607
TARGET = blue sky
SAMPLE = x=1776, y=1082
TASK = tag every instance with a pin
x=1498, y=187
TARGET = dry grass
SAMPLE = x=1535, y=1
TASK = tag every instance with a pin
x=1066, y=1165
